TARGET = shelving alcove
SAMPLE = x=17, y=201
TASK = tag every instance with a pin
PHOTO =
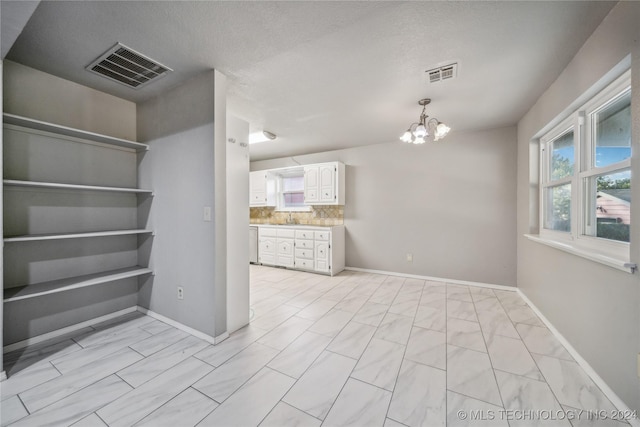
x=76, y=238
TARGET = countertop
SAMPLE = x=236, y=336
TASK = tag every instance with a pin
x=299, y=226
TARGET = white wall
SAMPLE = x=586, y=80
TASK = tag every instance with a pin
x=595, y=307
x=237, y=223
x=451, y=204
x=182, y=169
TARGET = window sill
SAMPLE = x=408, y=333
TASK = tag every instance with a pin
x=294, y=210
x=618, y=264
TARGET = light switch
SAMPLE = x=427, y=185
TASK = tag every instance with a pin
x=207, y=213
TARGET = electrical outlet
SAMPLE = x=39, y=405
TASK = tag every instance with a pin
x=207, y=213
x=180, y=292
x=409, y=257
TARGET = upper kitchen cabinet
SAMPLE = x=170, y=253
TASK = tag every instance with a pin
x=262, y=189
x=324, y=184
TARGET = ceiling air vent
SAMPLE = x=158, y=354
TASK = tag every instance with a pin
x=128, y=67
x=442, y=73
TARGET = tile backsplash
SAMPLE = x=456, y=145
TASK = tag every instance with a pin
x=319, y=215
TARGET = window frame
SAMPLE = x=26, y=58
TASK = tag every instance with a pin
x=582, y=123
x=280, y=192
x=546, y=182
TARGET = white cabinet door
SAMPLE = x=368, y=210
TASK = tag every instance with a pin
x=322, y=256
x=267, y=250
x=311, y=184
x=284, y=255
x=324, y=184
x=262, y=189
x=257, y=188
x=327, y=175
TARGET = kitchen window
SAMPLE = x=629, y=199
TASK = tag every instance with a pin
x=291, y=192
x=585, y=188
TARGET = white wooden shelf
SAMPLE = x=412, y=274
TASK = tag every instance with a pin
x=13, y=119
x=55, y=286
x=61, y=236
x=55, y=185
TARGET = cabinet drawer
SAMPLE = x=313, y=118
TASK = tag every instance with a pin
x=304, y=234
x=304, y=253
x=304, y=244
x=267, y=231
x=286, y=233
x=304, y=264
x=322, y=235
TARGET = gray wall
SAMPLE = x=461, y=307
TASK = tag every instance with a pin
x=595, y=307
x=34, y=94
x=450, y=203
x=180, y=167
x=2, y=372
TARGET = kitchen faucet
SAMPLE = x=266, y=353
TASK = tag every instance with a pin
x=290, y=220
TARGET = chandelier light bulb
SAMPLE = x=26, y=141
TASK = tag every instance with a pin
x=406, y=137
x=421, y=131
x=441, y=131
x=419, y=140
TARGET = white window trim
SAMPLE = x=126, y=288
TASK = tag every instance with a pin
x=591, y=255
x=280, y=200
x=609, y=252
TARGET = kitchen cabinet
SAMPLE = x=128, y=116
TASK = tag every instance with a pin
x=276, y=246
x=262, y=189
x=309, y=248
x=285, y=247
x=324, y=184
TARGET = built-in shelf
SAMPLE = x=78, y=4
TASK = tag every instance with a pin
x=61, y=236
x=55, y=185
x=13, y=119
x=55, y=286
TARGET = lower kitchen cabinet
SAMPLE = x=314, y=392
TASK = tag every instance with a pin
x=310, y=248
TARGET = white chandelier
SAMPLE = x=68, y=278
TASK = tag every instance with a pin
x=418, y=132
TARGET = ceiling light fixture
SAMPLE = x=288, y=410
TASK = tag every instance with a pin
x=263, y=136
x=418, y=132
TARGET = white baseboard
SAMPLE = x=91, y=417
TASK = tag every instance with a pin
x=608, y=392
x=435, y=279
x=182, y=327
x=59, y=332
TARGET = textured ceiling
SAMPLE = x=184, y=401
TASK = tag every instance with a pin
x=327, y=75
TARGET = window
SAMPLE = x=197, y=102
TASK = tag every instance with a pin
x=291, y=191
x=586, y=174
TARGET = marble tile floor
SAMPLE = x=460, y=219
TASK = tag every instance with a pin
x=358, y=349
